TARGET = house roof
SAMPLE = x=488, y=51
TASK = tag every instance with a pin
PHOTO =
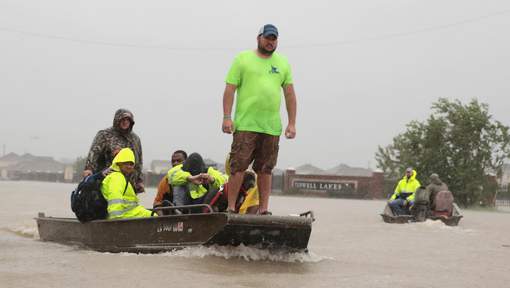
x=345, y=170
x=309, y=169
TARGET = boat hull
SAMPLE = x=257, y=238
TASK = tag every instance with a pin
x=166, y=233
x=389, y=217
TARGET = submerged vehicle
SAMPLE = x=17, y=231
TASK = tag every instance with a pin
x=420, y=215
x=170, y=232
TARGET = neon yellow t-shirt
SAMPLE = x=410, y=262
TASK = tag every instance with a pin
x=259, y=84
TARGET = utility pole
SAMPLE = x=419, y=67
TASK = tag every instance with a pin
x=3, y=149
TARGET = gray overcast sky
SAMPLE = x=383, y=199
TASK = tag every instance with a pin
x=362, y=70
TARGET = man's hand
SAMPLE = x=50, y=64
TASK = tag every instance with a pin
x=206, y=178
x=139, y=187
x=197, y=179
x=227, y=126
x=87, y=173
x=290, y=131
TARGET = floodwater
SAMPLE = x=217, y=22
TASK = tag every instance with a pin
x=350, y=246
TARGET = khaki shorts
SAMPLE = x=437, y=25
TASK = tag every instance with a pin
x=259, y=148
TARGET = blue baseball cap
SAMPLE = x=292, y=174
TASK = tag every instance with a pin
x=268, y=29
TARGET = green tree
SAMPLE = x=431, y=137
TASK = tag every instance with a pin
x=462, y=143
x=79, y=164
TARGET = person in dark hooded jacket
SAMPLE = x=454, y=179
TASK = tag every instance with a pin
x=108, y=142
x=194, y=183
x=436, y=185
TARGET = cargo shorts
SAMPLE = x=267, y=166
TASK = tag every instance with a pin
x=259, y=148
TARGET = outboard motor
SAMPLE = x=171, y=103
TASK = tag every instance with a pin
x=443, y=204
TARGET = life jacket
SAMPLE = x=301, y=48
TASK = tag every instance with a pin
x=443, y=204
x=87, y=201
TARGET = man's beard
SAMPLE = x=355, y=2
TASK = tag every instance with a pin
x=264, y=51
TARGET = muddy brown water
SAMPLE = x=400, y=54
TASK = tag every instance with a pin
x=350, y=246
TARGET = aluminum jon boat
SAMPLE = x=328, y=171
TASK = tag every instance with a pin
x=453, y=220
x=170, y=232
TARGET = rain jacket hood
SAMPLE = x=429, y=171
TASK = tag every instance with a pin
x=125, y=155
x=119, y=115
x=434, y=178
x=194, y=164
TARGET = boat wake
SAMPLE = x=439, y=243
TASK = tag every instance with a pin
x=27, y=231
x=243, y=252
x=440, y=226
x=248, y=254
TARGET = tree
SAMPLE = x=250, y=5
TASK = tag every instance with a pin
x=461, y=143
x=79, y=164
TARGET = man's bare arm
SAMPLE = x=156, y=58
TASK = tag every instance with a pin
x=291, y=104
x=228, y=102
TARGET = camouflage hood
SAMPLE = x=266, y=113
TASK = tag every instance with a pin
x=119, y=115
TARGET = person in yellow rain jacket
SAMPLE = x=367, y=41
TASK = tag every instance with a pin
x=249, y=192
x=403, y=197
x=194, y=183
x=118, y=191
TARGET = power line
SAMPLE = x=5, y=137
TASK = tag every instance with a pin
x=404, y=33
x=327, y=44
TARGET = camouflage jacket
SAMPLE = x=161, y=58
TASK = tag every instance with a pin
x=433, y=189
x=109, y=141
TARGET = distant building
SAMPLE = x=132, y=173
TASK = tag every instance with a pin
x=28, y=162
x=31, y=167
x=340, y=181
x=505, y=176
x=160, y=166
x=309, y=169
x=9, y=159
x=345, y=170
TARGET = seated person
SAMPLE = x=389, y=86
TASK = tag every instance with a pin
x=194, y=183
x=434, y=187
x=248, y=199
x=164, y=188
x=403, y=197
x=119, y=192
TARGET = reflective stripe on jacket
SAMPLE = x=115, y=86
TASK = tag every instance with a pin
x=122, y=199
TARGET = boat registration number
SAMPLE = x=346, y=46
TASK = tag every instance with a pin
x=174, y=227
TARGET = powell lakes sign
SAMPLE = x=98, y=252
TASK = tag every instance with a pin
x=336, y=186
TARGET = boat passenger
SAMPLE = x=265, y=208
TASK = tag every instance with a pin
x=403, y=197
x=435, y=186
x=118, y=190
x=194, y=183
x=108, y=142
x=164, y=188
x=248, y=197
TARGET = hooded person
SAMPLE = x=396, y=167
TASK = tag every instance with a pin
x=118, y=191
x=248, y=198
x=435, y=186
x=194, y=182
x=404, y=194
x=108, y=142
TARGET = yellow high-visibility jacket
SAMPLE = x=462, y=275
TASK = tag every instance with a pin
x=406, y=188
x=122, y=200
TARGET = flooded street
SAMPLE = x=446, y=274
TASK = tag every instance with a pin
x=350, y=246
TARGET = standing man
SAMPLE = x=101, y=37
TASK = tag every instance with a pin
x=108, y=142
x=258, y=76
